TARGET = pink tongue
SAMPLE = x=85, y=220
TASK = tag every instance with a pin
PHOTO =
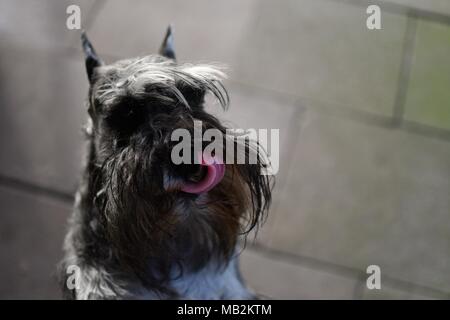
x=214, y=174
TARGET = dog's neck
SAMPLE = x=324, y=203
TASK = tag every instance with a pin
x=210, y=282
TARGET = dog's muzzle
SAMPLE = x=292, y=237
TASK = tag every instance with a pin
x=215, y=171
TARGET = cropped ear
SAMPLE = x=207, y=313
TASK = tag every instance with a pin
x=91, y=59
x=167, y=48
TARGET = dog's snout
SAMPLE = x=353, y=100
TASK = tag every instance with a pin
x=190, y=172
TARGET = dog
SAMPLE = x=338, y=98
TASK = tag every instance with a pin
x=142, y=226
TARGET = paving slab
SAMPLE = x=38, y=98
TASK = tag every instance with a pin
x=31, y=235
x=282, y=280
x=322, y=51
x=365, y=195
x=428, y=96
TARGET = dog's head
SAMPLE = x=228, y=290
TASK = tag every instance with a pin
x=154, y=212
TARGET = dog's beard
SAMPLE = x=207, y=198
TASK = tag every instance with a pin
x=156, y=234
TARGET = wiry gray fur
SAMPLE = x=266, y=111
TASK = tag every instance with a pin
x=134, y=76
x=130, y=237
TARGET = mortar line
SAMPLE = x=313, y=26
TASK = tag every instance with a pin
x=405, y=69
x=35, y=189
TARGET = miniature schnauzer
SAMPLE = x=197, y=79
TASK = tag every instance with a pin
x=144, y=227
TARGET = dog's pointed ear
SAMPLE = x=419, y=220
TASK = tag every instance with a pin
x=167, y=48
x=91, y=59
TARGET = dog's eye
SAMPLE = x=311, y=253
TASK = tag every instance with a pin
x=127, y=118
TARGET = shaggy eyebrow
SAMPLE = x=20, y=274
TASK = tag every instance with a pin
x=137, y=76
